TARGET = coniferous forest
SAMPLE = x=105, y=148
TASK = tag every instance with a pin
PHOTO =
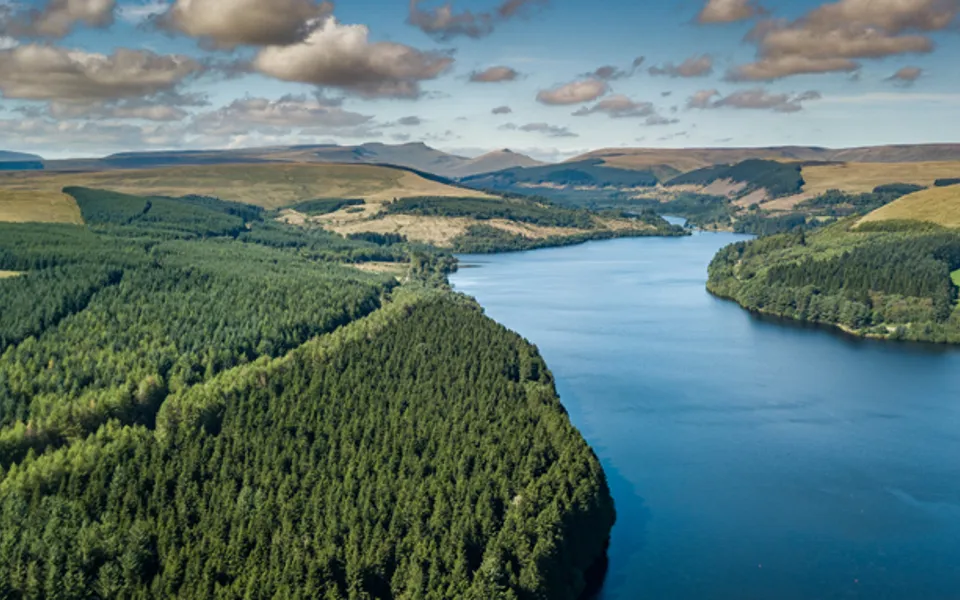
x=199, y=402
x=886, y=279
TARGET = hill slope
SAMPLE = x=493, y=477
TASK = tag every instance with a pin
x=414, y=155
x=940, y=205
x=688, y=159
x=8, y=156
x=39, y=196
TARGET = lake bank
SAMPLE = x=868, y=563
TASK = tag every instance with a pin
x=746, y=459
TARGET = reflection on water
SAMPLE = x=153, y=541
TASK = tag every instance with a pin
x=748, y=460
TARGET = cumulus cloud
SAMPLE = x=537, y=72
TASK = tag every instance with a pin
x=833, y=37
x=575, y=92
x=57, y=18
x=544, y=128
x=494, y=75
x=618, y=106
x=753, y=99
x=443, y=24
x=695, y=66
x=411, y=121
x=230, y=23
x=38, y=133
x=38, y=72
x=341, y=56
x=7, y=42
x=502, y=110
x=906, y=76
x=612, y=73
x=727, y=11
x=280, y=115
x=166, y=106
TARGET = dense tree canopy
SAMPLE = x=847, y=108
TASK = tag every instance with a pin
x=888, y=280
x=199, y=402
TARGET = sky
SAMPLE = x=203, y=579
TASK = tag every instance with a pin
x=551, y=78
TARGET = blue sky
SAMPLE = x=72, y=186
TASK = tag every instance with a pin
x=88, y=77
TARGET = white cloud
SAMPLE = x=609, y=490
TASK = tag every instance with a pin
x=341, y=56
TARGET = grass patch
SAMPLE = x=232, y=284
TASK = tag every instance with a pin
x=936, y=205
x=864, y=177
x=955, y=276
x=38, y=197
x=37, y=206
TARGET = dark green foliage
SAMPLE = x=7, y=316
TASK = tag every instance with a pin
x=484, y=239
x=898, y=189
x=764, y=224
x=888, y=281
x=191, y=415
x=167, y=217
x=947, y=182
x=325, y=205
x=779, y=179
x=836, y=203
x=491, y=208
x=380, y=239
x=590, y=172
x=699, y=209
x=422, y=455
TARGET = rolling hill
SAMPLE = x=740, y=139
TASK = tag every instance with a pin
x=940, y=205
x=415, y=155
x=689, y=159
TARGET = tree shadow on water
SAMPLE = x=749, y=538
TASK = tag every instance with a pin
x=626, y=541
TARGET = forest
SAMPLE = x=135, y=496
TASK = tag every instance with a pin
x=889, y=280
x=199, y=402
x=523, y=211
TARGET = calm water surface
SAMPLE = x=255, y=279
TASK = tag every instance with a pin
x=748, y=459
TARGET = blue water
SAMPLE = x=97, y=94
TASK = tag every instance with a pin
x=748, y=459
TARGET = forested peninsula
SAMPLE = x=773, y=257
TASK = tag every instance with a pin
x=882, y=279
x=197, y=401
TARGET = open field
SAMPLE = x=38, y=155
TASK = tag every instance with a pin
x=33, y=196
x=44, y=206
x=863, y=177
x=955, y=276
x=936, y=205
x=9, y=274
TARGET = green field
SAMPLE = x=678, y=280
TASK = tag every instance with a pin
x=955, y=276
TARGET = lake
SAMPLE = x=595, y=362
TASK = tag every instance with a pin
x=749, y=459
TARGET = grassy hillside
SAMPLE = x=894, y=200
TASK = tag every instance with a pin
x=940, y=205
x=201, y=402
x=888, y=280
x=863, y=177
x=689, y=159
x=39, y=196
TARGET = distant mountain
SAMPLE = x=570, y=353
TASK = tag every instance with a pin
x=7, y=156
x=415, y=155
x=497, y=160
x=689, y=159
x=19, y=161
